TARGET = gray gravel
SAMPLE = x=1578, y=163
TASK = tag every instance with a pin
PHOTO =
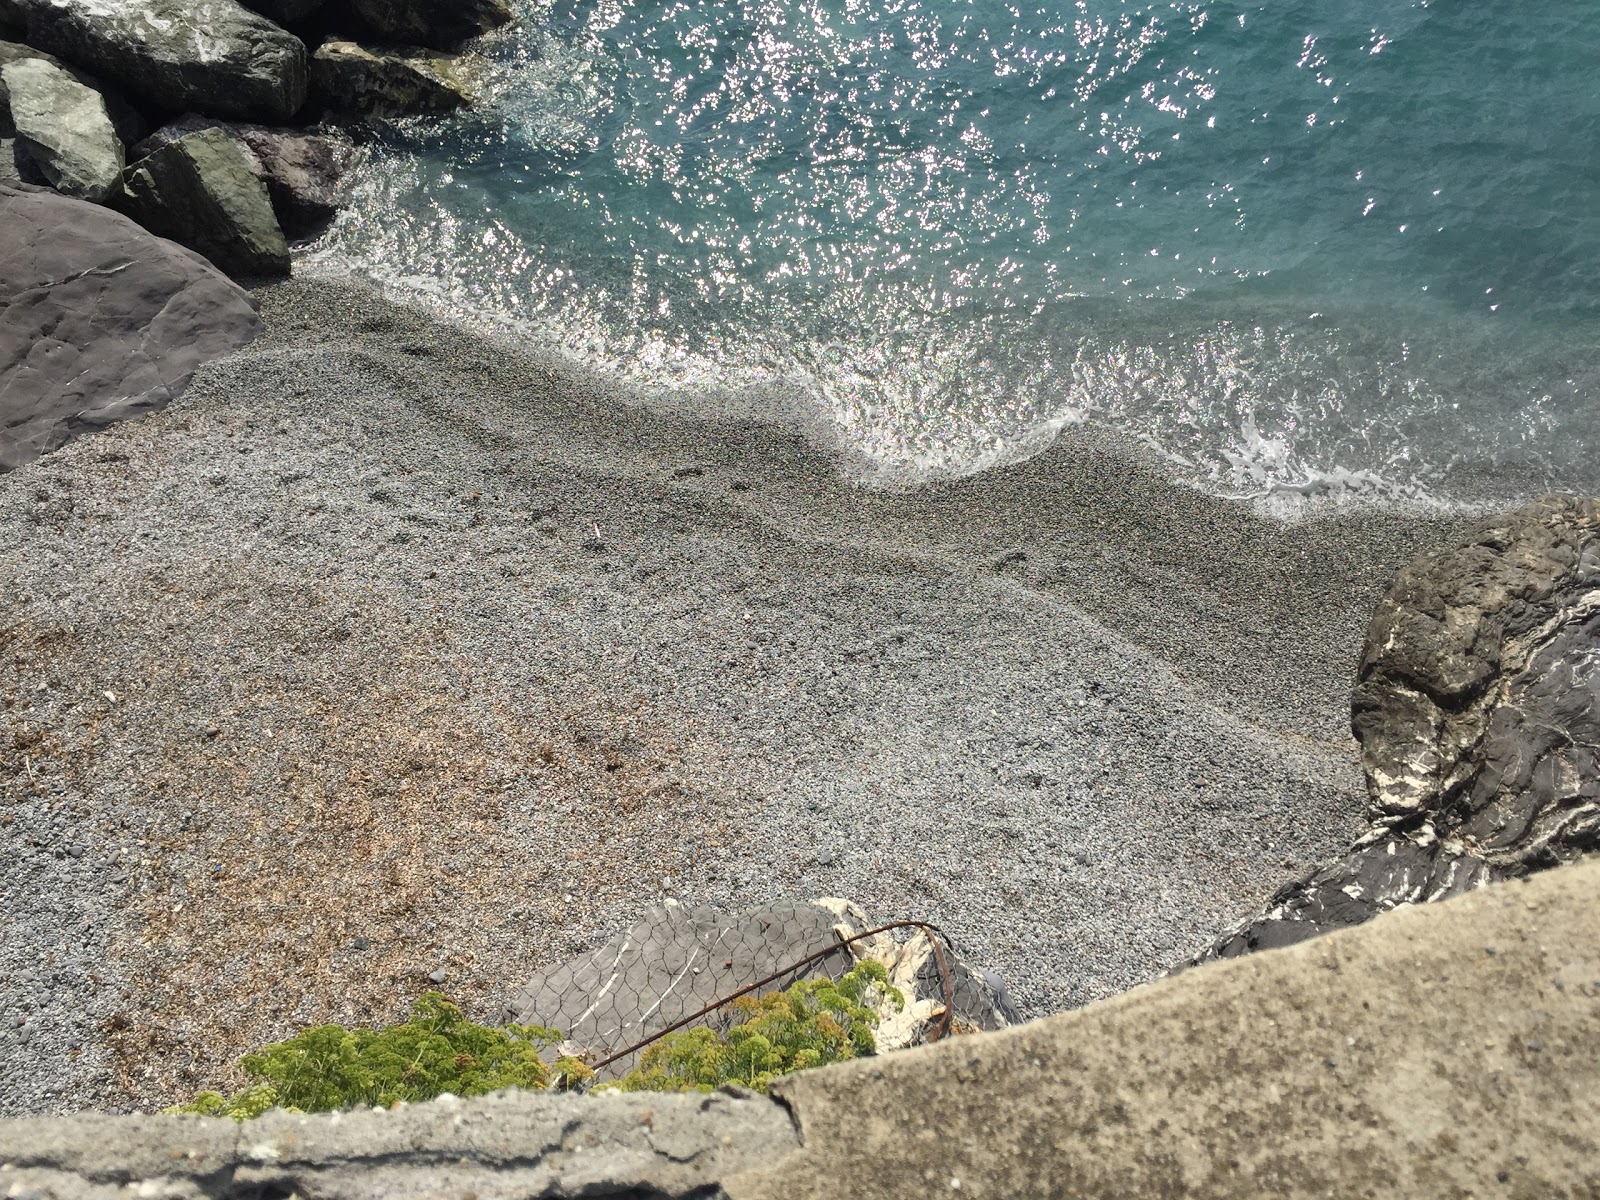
x=386, y=655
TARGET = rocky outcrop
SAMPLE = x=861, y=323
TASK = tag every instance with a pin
x=213, y=56
x=303, y=170
x=1439, y=1052
x=441, y=24
x=675, y=961
x=1478, y=711
x=203, y=191
x=99, y=321
x=387, y=82
x=64, y=128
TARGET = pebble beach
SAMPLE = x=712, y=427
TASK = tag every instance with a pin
x=388, y=658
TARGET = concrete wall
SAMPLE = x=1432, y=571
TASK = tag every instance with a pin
x=1451, y=1050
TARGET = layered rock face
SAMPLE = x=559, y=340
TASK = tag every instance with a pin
x=102, y=321
x=203, y=191
x=65, y=129
x=214, y=56
x=1478, y=711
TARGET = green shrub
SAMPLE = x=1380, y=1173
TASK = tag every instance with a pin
x=328, y=1068
x=436, y=1051
x=813, y=1023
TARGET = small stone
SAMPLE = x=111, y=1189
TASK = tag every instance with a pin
x=437, y=976
x=360, y=943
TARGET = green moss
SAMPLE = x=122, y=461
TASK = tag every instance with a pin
x=434, y=1052
x=437, y=1050
x=813, y=1023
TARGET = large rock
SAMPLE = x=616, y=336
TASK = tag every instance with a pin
x=441, y=24
x=675, y=961
x=127, y=120
x=304, y=170
x=65, y=129
x=202, y=190
x=214, y=56
x=99, y=320
x=387, y=82
x=1478, y=710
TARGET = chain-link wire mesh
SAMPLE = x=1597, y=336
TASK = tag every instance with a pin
x=682, y=968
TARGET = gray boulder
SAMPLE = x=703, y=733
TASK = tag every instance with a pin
x=215, y=56
x=305, y=174
x=303, y=170
x=675, y=961
x=101, y=320
x=1478, y=711
x=65, y=129
x=387, y=82
x=203, y=191
x=125, y=118
x=441, y=24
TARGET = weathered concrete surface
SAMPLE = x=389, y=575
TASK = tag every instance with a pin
x=1446, y=1050
x=501, y=1146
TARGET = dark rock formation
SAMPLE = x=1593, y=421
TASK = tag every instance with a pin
x=441, y=24
x=16, y=166
x=285, y=12
x=65, y=129
x=125, y=118
x=676, y=960
x=202, y=190
x=214, y=56
x=99, y=321
x=1478, y=710
x=303, y=169
x=386, y=82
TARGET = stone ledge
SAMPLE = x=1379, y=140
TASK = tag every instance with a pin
x=1438, y=1051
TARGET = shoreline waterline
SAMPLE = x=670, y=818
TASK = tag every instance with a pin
x=417, y=638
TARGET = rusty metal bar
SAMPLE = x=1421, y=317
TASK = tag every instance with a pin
x=935, y=935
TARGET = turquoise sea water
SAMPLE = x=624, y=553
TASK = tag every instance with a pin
x=1293, y=245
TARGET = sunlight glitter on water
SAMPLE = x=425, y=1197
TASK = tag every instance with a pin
x=1229, y=231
